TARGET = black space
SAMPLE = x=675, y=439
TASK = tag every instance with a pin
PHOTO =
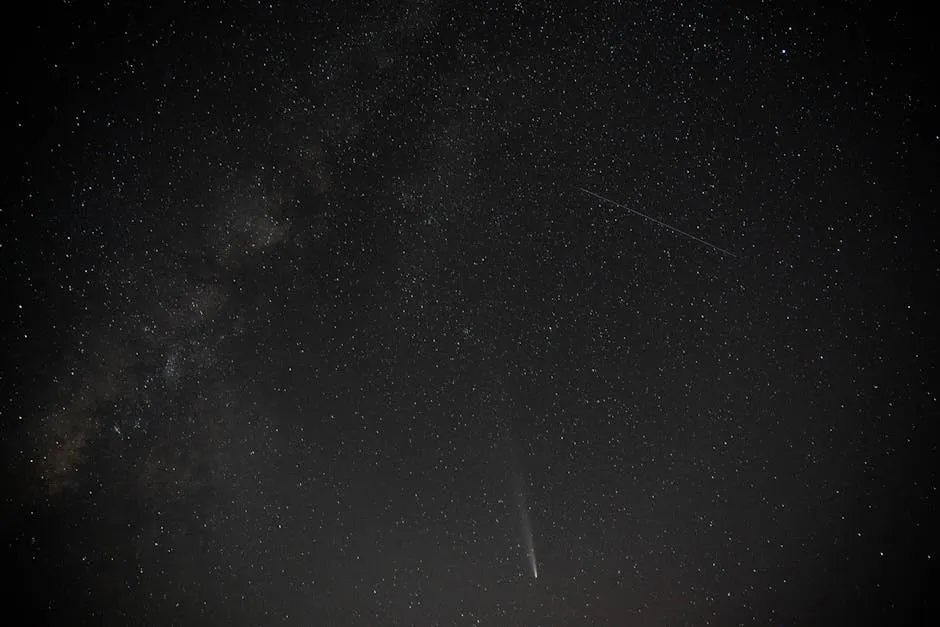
x=449, y=313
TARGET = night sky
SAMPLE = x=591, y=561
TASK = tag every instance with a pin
x=427, y=313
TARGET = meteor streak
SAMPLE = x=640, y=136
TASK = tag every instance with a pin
x=663, y=224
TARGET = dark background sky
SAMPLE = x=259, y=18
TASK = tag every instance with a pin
x=297, y=300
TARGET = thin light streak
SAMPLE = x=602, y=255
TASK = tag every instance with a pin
x=660, y=223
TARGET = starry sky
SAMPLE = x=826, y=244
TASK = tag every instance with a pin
x=458, y=313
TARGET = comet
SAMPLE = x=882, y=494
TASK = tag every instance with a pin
x=528, y=541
